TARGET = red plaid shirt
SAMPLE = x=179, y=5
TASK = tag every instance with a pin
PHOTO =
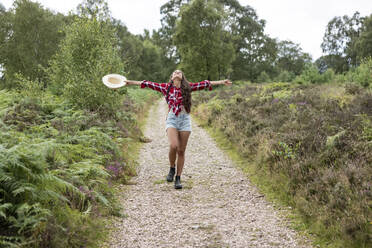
x=175, y=95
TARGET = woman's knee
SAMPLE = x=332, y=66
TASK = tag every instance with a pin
x=173, y=147
x=180, y=152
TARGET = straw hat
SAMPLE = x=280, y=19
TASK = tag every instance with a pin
x=114, y=81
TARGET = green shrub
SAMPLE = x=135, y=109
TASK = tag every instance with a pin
x=27, y=187
x=311, y=74
x=299, y=80
x=85, y=56
x=58, y=164
x=342, y=78
x=328, y=76
x=263, y=78
x=363, y=73
x=285, y=76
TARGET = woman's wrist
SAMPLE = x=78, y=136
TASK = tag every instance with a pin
x=130, y=82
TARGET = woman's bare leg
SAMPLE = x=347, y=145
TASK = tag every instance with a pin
x=173, y=145
x=183, y=138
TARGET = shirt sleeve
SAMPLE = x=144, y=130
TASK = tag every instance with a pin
x=206, y=84
x=155, y=86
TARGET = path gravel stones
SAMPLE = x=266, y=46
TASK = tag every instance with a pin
x=217, y=207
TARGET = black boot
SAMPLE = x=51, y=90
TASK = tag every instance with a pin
x=177, y=183
x=171, y=173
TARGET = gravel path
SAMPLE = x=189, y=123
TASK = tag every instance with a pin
x=217, y=207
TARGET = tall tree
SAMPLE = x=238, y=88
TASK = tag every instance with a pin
x=255, y=52
x=88, y=51
x=142, y=57
x=163, y=37
x=150, y=62
x=291, y=58
x=205, y=49
x=32, y=34
x=364, y=42
x=94, y=9
x=340, y=37
x=170, y=12
x=168, y=61
x=332, y=61
x=5, y=27
x=130, y=50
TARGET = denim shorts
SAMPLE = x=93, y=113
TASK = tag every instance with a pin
x=182, y=122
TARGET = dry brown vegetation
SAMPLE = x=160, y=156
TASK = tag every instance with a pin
x=313, y=142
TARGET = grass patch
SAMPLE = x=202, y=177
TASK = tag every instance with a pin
x=160, y=181
x=187, y=184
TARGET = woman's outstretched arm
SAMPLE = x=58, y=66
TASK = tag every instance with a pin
x=155, y=86
x=206, y=84
x=129, y=82
x=225, y=82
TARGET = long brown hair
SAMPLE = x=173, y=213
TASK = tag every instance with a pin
x=185, y=91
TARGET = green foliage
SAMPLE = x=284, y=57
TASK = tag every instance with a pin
x=254, y=51
x=30, y=35
x=85, y=55
x=150, y=62
x=363, y=74
x=170, y=12
x=310, y=144
x=205, y=49
x=335, y=62
x=364, y=42
x=130, y=50
x=143, y=57
x=57, y=166
x=94, y=9
x=27, y=187
x=341, y=35
x=26, y=87
x=6, y=98
x=328, y=76
x=263, y=78
x=285, y=76
x=164, y=36
x=367, y=128
x=312, y=75
x=291, y=58
x=346, y=42
x=284, y=151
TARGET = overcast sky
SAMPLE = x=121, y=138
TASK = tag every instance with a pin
x=302, y=22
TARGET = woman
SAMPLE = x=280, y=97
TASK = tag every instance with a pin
x=178, y=124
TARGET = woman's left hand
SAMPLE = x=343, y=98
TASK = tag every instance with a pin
x=227, y=82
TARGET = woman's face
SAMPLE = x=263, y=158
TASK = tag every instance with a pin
x=177, y=74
